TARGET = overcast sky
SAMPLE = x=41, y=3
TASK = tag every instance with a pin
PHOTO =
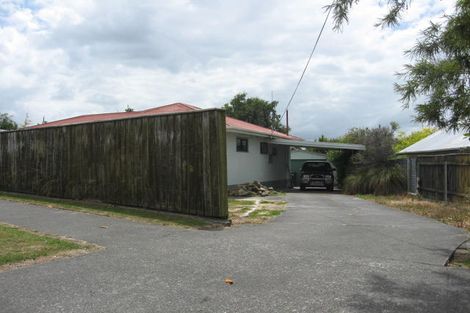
x=64, y=58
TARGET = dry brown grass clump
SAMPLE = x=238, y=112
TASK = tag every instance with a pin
x=452, y=213
x=254, y=210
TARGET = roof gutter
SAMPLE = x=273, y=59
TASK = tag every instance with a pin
x=321, y=145
x=436, y=152
x=232, y=129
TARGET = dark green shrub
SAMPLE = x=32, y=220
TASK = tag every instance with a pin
x=384, y=180
x=373, y=171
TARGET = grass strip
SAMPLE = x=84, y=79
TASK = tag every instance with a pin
x=103, y=209
x=265, y=213
x=451, y=213
x=17, y=245
x=464, y=263
x=236, y=202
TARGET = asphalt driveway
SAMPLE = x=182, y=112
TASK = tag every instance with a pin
x=327, y=253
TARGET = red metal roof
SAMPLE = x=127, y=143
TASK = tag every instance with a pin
x=245, y=126
x=232, y=123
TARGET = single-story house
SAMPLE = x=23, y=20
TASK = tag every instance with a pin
x=438, y=166
x=253, y=152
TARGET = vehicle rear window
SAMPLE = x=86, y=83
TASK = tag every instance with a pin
x=316, y=166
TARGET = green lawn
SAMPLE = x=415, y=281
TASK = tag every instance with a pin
x=265, y=213
x=134, y=214
x=236, y=202
x=17, y=245
x=465, y=263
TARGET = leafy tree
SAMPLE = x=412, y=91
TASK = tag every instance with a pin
x=323, y=138
x=373, y=170
x=403, y=140
x=341, y=9
x=256, y=111
x=379, y=142
x=7, y=123
x=441, y=72
x=438, y=81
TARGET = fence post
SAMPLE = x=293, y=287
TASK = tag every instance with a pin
x=417, y=175
x=408, y=175
x=445, y=181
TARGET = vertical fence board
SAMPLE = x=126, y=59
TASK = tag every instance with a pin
x=174, y=162
x=441, y=182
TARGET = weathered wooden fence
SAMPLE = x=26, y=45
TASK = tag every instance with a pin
x=444, y=177
x=173, y=162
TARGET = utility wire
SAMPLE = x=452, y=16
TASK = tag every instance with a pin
x=308, y=61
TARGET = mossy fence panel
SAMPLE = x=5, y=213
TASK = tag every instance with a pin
x=172, y=162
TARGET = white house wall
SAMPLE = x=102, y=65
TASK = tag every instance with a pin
x=244, y=167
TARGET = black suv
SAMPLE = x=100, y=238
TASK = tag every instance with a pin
x=317, y=174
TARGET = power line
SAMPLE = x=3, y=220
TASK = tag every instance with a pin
x=308, y=61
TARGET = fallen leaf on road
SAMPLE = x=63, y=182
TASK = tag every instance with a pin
x=228, y=281
x=104, y=226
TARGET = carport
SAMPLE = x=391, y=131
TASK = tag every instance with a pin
x=317, y=145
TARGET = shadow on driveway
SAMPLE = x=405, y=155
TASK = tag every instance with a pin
x=386, y=295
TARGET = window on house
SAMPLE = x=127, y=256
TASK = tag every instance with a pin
x=272, y=153
x=263, y=147
x=242, y=145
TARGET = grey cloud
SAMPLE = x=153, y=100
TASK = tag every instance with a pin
x=203, y=52
x=11, y=100
x=63, y=92
x=107, y=101
x=366, y=103
x=149, y=36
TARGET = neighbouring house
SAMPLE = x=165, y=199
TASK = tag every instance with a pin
x=438, y=166
x=253, y=152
